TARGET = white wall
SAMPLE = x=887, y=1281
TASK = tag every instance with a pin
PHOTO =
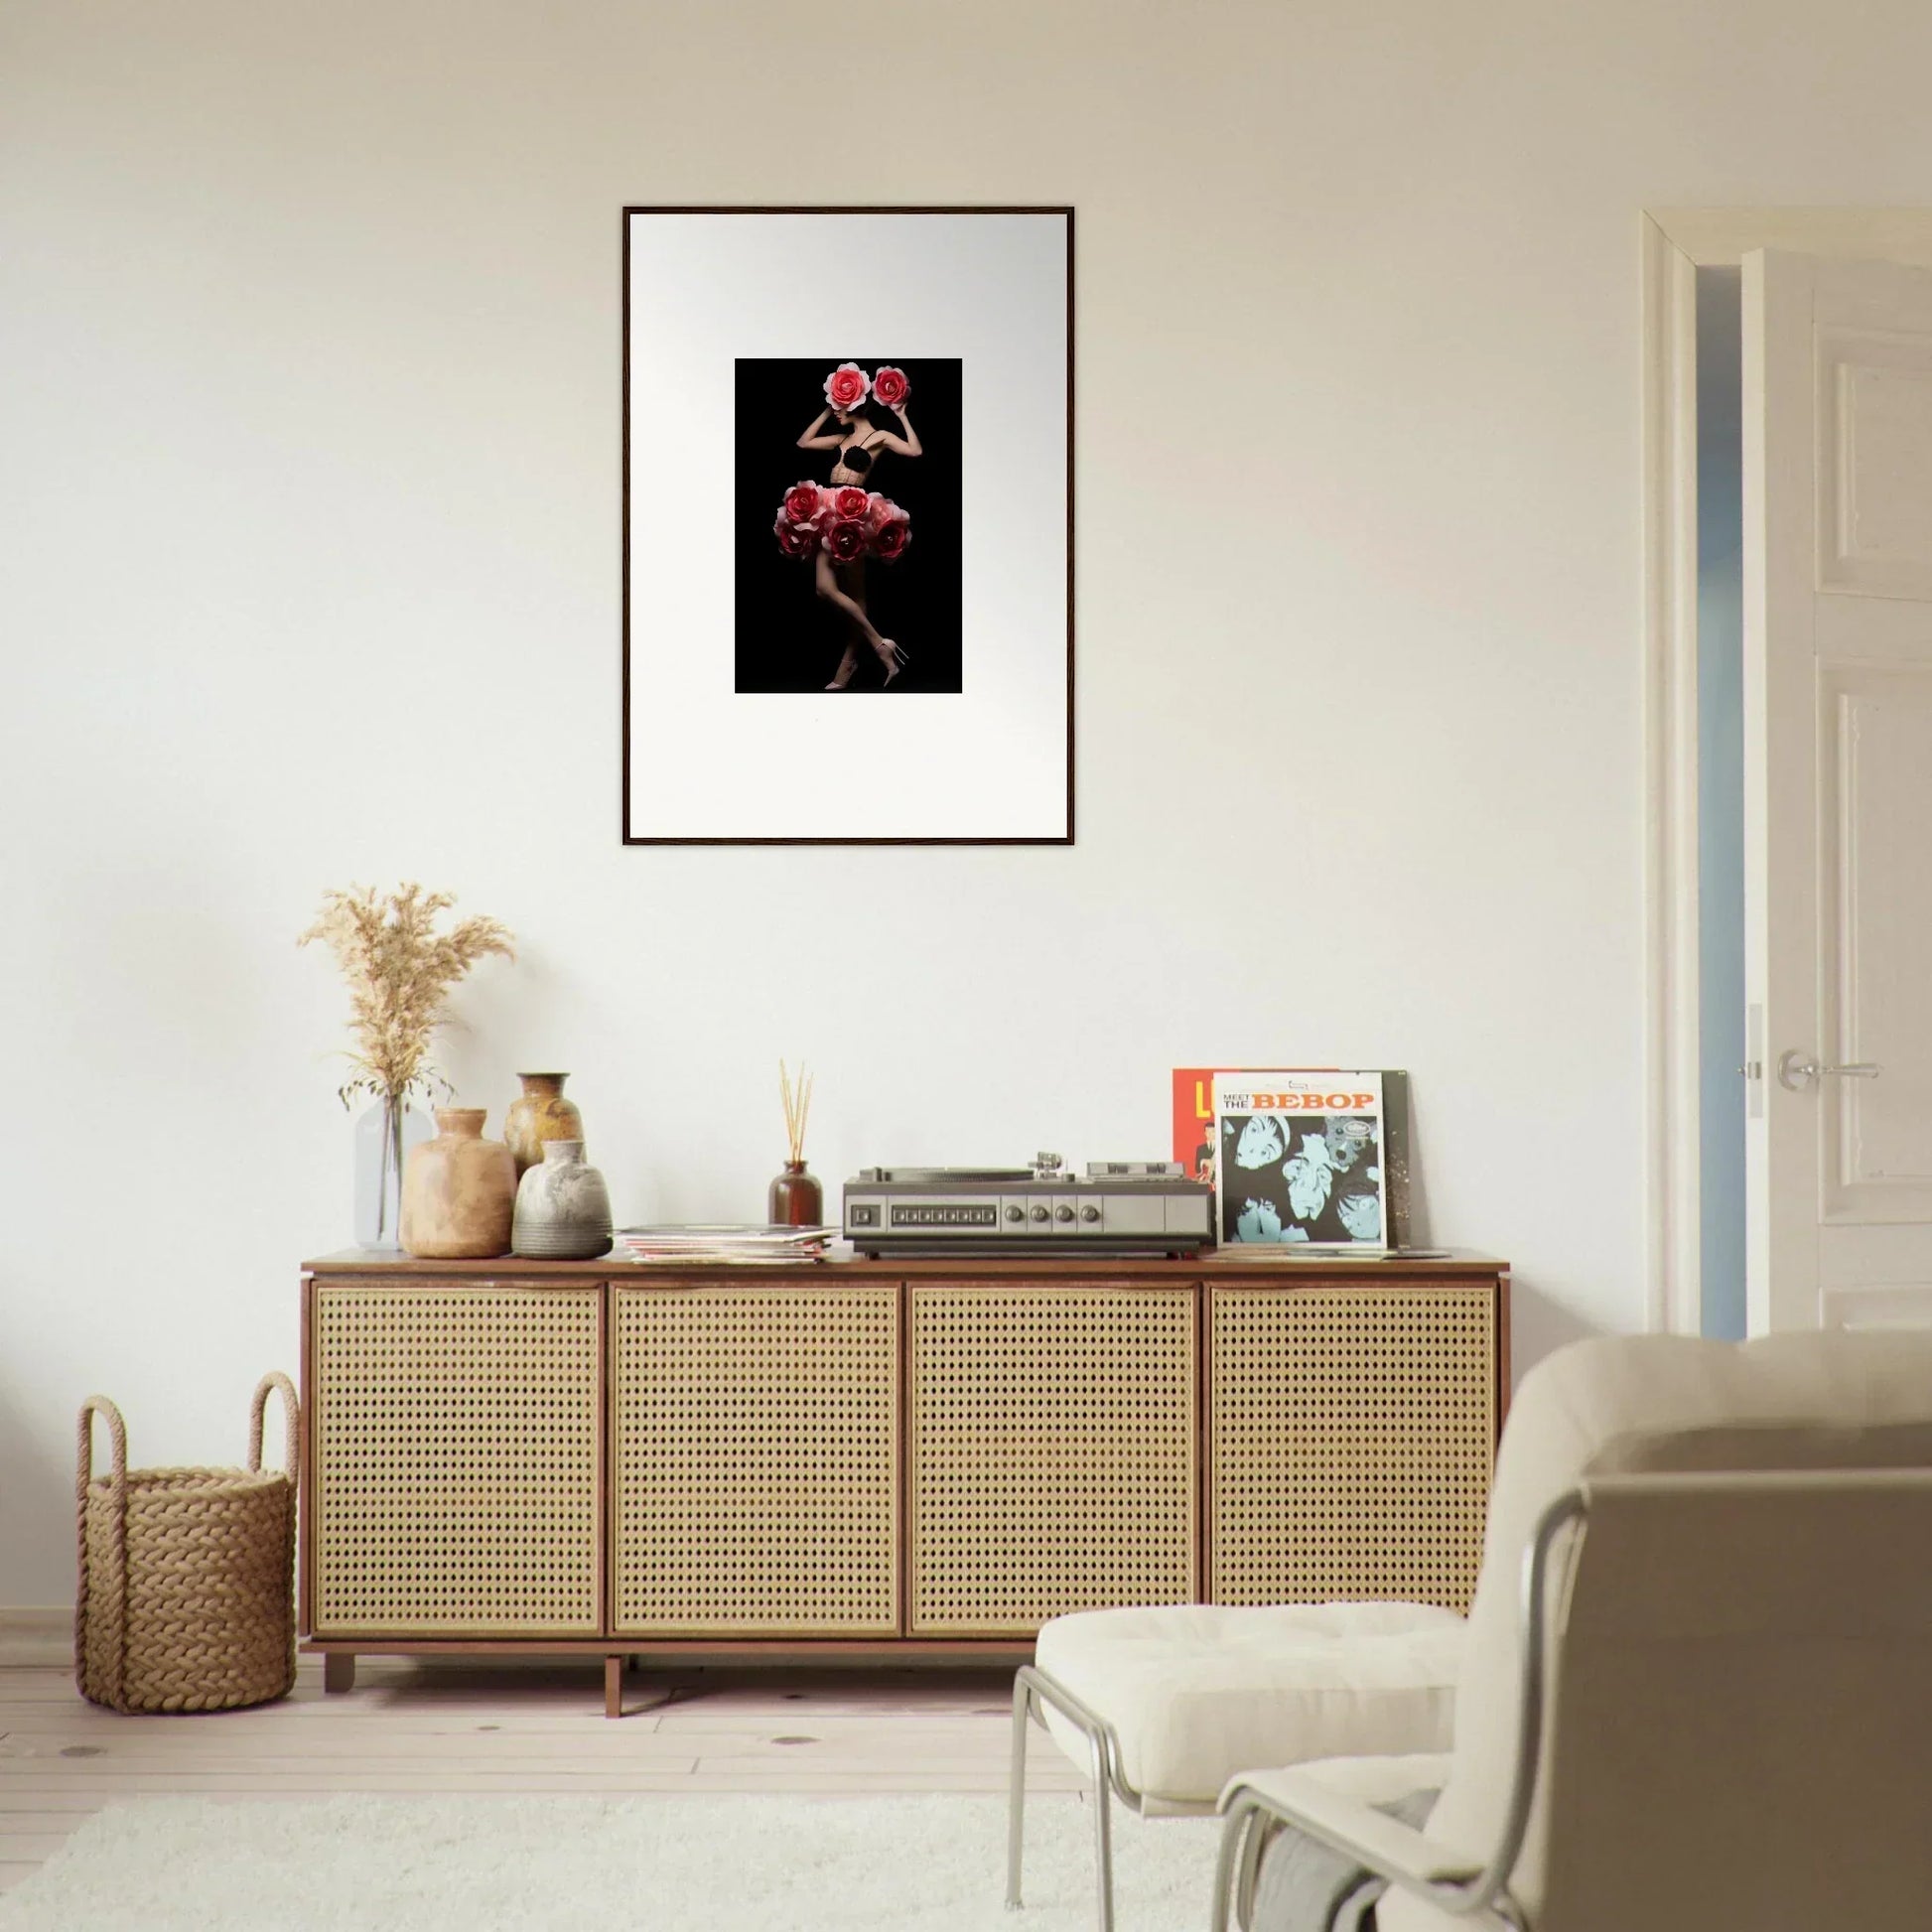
x=308, y=441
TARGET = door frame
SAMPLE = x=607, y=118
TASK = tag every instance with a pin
x=1675, y=244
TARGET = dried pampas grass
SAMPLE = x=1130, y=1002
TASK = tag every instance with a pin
x=399, y=970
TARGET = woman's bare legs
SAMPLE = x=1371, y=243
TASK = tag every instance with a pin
x=828, y=587
x=890, y=654
x=839, y=588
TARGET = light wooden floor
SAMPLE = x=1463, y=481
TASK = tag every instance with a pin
x=507, y=1729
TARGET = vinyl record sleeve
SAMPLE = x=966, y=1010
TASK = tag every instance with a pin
x=1262, y=1212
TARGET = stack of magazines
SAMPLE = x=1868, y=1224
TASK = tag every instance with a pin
x=725, y=1241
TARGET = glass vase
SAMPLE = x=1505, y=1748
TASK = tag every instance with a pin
x=385, y=1134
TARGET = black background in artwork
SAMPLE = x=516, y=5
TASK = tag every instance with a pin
x=787, y=638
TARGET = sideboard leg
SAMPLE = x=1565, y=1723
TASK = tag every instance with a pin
x=337, y=1671
x=613, y=1687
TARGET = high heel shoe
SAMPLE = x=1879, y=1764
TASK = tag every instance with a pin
x=893, y=656
x=847, y=666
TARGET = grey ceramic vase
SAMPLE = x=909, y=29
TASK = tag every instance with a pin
x=563, y=1209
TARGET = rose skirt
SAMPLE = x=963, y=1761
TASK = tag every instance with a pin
x=846, y=522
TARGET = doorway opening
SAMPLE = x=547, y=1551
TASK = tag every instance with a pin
x=1720, y=801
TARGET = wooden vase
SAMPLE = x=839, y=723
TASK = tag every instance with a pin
x=459, y=1191
x=540, y=1113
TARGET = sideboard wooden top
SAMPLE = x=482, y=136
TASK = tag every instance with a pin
x=1223, y=1264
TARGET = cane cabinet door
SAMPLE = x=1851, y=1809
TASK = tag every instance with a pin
x=455, y=1454
x=755, y=1438
x=1053, y=1463
x=1352, y=1434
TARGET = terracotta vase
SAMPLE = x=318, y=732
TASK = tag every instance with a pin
x=796, y=1200
x=540, y=1114
x=459, y=1191
x=563, y=1209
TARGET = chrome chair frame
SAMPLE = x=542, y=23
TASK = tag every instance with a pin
x=1482, y=1894
x=1031, y=1688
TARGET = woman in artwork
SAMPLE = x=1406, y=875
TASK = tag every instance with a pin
x=841, y=524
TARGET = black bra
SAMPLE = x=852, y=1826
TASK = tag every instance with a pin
x=856, y=458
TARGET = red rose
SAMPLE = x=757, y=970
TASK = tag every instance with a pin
x=881, y=509
x=890, y=539
x=795, y=540
x=847, y=388
x=890, y=386
x=804, y=504
x=849, y=504
x=845, y=540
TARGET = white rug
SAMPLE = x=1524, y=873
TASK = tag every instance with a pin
x=620, y=1864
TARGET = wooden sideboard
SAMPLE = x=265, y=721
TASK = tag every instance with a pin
x=892, y=1458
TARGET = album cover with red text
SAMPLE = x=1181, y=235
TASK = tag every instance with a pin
x=1315, y=1155
x=1193, y=1115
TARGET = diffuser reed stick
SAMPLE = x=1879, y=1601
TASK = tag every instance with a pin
x=796, y=1098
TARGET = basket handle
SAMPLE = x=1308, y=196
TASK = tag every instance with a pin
x=98, y=1405
x=291, y=1416
x=116, y=1581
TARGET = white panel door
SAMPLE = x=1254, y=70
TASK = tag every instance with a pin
x=1838, y=813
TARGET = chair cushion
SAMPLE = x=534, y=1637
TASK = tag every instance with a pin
x=1379, y=1781
x=1198, y=1691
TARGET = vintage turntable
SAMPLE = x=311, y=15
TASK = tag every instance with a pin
x=1117, y=1207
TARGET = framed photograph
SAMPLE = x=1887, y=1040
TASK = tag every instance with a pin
x=848, y=527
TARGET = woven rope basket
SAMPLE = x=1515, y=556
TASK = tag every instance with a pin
x=185, y=1597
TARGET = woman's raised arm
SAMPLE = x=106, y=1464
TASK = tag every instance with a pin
x=907, y=444
x=811, y=439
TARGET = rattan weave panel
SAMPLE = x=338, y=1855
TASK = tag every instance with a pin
x=1351, y=1448
x=1053, y=1444
x=455, y=1459
x=755, y=1438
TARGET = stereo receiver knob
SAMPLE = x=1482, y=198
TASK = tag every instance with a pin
x=1015, y=1212
x=1062, y=1213
x=1039, y=1213
x=1089, y=1213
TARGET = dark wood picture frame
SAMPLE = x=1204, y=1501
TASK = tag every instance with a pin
x=630, y=835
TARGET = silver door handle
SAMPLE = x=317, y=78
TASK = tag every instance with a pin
x=1798, y=1070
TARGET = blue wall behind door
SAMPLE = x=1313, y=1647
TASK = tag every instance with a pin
x=1720, y=798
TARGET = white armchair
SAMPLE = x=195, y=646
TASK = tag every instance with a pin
x=1697, y=1687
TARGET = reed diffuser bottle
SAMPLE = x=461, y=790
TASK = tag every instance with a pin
x=796, y=1200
